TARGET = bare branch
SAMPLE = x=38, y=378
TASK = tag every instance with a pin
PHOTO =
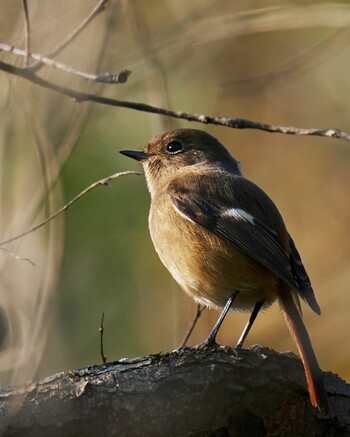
x=27, y=30
x=104, y=181
x=234, y=123
x=109, y=78
x=97, y=9
x=14, y=255
x=199, y=392
x=101, y=331
x=196, y=317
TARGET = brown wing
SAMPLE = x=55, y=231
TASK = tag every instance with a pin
x=240, y=212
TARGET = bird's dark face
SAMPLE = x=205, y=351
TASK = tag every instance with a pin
x=168, y=153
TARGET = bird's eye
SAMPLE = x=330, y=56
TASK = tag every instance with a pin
x=174, y=147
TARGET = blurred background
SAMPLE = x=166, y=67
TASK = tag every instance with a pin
x=279, y=62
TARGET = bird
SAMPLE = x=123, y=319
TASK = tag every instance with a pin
x=223, y=239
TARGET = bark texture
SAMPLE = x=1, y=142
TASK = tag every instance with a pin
x=192, y=392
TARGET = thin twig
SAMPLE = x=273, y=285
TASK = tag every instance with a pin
x=27, y=31
x=101, y=331
x=97, y=9
x=109, y=78
x=104, y=181
x=234, y=123
x=199, y=311
x=14, y=255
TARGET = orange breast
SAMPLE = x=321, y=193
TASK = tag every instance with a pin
x=207, y=267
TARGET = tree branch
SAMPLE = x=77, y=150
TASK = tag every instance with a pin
x=61, y=46
x=84, y=23
x=104, y=181
x=219, y=391
x=109, y=78
x=235, y=123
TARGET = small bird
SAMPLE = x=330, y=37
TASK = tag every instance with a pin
x=223, y=239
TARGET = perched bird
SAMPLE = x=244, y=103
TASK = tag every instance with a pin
x=223, y=239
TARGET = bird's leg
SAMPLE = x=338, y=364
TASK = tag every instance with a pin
x=249, y=324
x=210, y=341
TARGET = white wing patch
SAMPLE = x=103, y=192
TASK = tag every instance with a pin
x=238, y=214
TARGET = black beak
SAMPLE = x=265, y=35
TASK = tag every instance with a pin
x=134, y=154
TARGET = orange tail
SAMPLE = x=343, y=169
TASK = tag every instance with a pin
x=314, y=374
